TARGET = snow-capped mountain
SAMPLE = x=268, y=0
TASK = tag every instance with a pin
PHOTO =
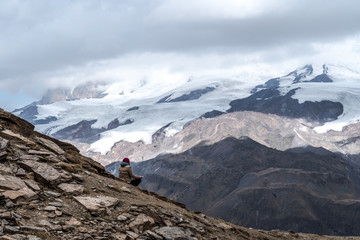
x=140, y=113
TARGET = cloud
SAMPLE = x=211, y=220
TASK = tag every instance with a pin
x=50, y=43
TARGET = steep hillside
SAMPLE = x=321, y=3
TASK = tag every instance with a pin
x=49, y=191
x=249, y=184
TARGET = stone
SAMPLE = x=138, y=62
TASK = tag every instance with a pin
x=50, y=144
x=56, y=204
x=25, y=193
x=224, y=226
x=123, y=217
x=51, y=194
x=174, y=233
x=5, y=169
x=3, y=143
x=98, y=203
x=11, y=230
x=32, y=229
x=11, y=182
x=82, y=229
x=42, y=152
x=142, y=222
x=131, y=235
x=19, y=136
x=74, y=189
x=32, y=237
x=20, y=172
x=73, y=222
x=58, y=213
x=42, y=170
x=7, y=238
x=32, y=184
x=30, y=157
x=77, y=177
x=125, y=189
x=153, y=236
x=50, y=208
x=66, y=176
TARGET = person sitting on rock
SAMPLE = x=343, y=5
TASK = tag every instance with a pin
x=126, y=174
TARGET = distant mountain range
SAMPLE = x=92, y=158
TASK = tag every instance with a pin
x=102, y=118
x=280, y=154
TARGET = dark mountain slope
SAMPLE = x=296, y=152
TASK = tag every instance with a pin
x=249, y=184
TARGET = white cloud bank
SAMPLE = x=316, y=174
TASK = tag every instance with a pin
x=61, y=43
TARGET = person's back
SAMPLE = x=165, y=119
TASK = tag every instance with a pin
x=126, y=174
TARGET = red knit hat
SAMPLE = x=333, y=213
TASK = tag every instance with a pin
x=126, y=160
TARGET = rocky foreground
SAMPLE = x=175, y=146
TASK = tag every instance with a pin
x=49, y=191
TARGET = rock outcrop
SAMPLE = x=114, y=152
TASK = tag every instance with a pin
x=49, y=191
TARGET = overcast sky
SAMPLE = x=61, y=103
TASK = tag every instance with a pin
x=45, y=44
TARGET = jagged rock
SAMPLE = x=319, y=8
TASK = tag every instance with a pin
x=73, y=222
x=32, y=237
x=153, y=236
x=142, y=223
x=55, y=204
x=42, y=170
x=174, y=233
x=131, y=235
x=32, y=229
x=25, y=193
x=50, y=208
x=50, y=144
x=30, y=157
x=66, y=176
x=5, y=169
x=74, y=189
x=11, y=230
x=125, y=189
x=7, y=238
x=42, y=152
x=3, y=143
x=123, y=217
x=32, y=184
x=20, y=172
x=19, y=136
x=51, y=194
x=77, y=177
x=11, y=182
x=95, y=204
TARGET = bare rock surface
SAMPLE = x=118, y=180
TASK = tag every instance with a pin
x=38, y=202
x=74, y=189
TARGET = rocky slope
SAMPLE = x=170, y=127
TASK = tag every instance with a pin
x=244, y=182
x=49, y=191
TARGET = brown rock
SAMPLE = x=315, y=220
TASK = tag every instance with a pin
x=97, y=203
x=26, y=193
x=142, y=222
x=74, y=189
x=42, y=170
x=11, y=182
x=73, y=222
x=50, y=144
x=32, y=184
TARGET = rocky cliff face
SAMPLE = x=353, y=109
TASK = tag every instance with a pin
x=49, y=191
x=244, y=182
